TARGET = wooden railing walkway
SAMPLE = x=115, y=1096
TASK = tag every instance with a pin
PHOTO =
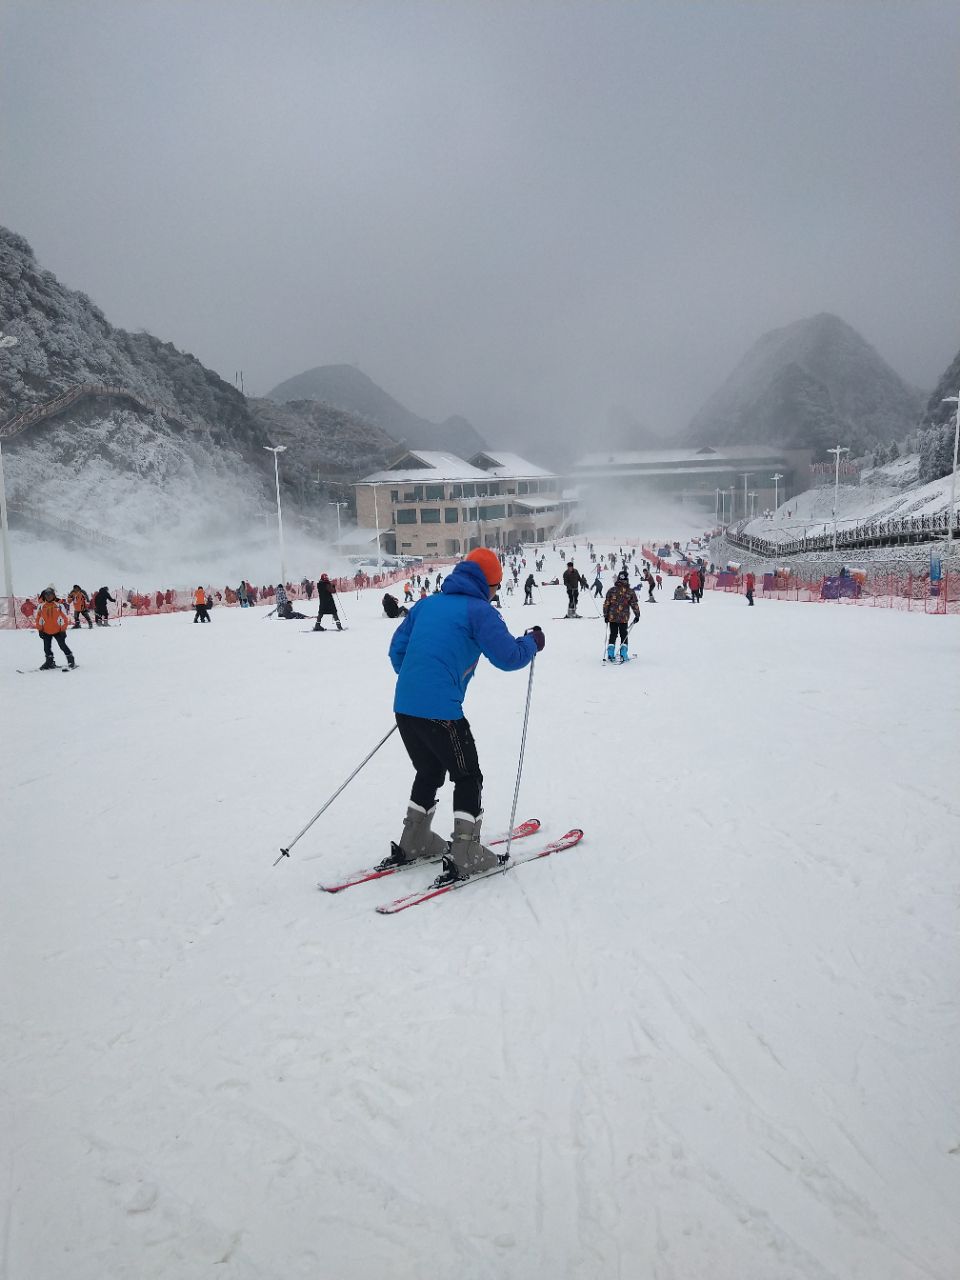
x=50, y=408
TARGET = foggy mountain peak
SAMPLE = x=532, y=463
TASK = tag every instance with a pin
x=346, y=387
x=805, y=385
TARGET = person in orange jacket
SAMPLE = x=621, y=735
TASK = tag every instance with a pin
x=52, y=622
x=200, y=604
x=80, y=601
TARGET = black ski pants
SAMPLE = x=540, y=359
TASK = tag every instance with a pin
x=81, y=613
x=439, y=747
x=618, y=629
x=201, y=614
x=61, y=640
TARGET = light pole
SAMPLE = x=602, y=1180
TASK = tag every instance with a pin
x=716, y=514
x=951, y=510
x=746, y=476
x=276, y=450
x=6, y=341
x=376, y=520
x=338, y=505
x=753, y=504
x=776, y=478
x=836, y=451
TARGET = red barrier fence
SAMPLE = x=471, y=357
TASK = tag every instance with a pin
x=136, y=603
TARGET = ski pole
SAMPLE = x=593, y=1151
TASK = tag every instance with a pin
x=523, y=747
x=270, y=614
x=341, y=609
x=285, y=853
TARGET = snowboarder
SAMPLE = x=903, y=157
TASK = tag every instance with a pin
x=100, y=606
x=620, y=600
x=201, y=605
x=80, y=601
x=435, y=653
x=749, y=583
x=52, y=622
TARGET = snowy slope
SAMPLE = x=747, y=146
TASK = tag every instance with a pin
x=716, y=1042
x=886, y=492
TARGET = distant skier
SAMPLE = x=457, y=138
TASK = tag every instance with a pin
x=620, y=601
x=52, y=622
x=528, y=586
x=749, y=583
x=435, y=652
x=598, y=584
x=100, y=599
x=326, y=603
x=573, y=581
x=695, y=583
x=648, y=579
x=80, y=601
x=201, y=606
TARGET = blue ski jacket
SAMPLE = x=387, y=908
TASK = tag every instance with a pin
x=436, y=649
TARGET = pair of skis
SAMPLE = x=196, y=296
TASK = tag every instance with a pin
x=525, y=829
x=56, y=667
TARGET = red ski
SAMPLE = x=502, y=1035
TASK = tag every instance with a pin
x=528, y=828
x=435, y=891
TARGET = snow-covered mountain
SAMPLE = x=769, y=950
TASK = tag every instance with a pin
x=130, y=439
x=347, y=388
x=805, y=386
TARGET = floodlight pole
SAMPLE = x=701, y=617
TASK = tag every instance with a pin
x=276, y=450
x=338, y=505
x=376, y=520
x=836, y=451
x=746, y=476
x=951, y=510
x=6, y=340
x=776, y=478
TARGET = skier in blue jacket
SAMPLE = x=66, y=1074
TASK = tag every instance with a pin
x=435, y=652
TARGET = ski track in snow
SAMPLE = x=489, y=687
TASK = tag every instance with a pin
x=716, y=1041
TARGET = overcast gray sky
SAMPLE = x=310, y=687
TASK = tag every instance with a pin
x=522, y=212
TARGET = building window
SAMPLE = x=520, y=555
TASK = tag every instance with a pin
x=434, y=492
x=523, y=486
x=451, y=515
x=473, y=513
x=428, y=516
x=394, y=495
x=431, y=544
x=413, y=495
x=406, y=517
x=493, y=513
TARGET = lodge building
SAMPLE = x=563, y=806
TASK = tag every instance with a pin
x=428, y=503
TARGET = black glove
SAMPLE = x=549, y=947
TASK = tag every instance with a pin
x=539, y=639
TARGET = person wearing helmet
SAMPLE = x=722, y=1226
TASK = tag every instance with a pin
x=435, y=652
x=52, y=622
x=326, y=603
x=620, y=601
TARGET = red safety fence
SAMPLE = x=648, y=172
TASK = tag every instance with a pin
x=137, y=603
x=912, y=593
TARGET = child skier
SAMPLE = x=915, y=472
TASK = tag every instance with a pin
x=620, y=600
x=52, y=622
x=435, y=652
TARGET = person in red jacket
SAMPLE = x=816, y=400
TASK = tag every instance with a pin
x=696, y=585
x=52, y=622
x=749, y=584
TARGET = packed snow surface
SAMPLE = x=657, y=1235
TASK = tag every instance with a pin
x=716, y=1041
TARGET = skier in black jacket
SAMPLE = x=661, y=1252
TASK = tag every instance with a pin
x=100, y=606
x=326, y=603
